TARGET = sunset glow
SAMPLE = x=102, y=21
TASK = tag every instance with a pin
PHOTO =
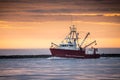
x=36, y=25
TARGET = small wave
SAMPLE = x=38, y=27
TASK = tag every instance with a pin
x=56, y=58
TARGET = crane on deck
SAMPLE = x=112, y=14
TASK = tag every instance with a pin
x=90, y=44
x=84, y=39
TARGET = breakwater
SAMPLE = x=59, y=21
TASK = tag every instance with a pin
x=24, y=56
x=110, y=55
x=46, y=56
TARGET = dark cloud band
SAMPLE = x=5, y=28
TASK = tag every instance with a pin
x=42, y=10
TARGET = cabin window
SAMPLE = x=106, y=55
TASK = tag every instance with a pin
x=63, y=45
x=71, y=45
x=66, y=45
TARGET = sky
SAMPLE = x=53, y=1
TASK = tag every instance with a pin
x=37, y=23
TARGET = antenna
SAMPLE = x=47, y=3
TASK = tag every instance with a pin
x=71, y=20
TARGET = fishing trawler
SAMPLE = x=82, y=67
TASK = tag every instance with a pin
x=70, y=47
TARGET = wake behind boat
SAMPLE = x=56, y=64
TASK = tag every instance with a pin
x=70, y=47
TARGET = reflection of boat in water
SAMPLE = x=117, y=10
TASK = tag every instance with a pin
x=71, y=48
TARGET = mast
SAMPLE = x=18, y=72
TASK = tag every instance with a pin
x=72, y=37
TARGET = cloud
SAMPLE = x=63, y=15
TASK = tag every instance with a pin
x=43, y=10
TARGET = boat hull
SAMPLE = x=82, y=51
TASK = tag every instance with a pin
x=72, y=53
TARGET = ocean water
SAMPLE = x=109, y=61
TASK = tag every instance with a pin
x=43, y=51
x=54, y=68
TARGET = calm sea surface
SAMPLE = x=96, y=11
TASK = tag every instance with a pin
x=53, y=68
x=60, y=69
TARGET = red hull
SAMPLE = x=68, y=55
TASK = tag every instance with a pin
x=72, y=53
